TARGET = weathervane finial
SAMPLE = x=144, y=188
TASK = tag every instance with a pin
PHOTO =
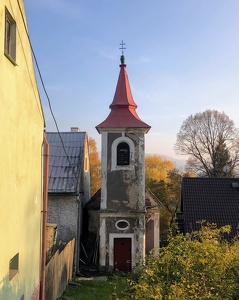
x=122, y=48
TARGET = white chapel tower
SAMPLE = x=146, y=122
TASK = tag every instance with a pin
x=122, y=209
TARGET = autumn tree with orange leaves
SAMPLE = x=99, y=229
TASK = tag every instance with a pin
x=95, y=166
x=164, y=181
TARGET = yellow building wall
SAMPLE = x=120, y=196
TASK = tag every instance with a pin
x=21, y=137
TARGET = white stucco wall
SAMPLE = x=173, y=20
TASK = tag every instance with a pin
x=63, y=211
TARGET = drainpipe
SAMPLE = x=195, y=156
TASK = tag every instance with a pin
x=78, y=234
x=46, y=153
x=77, y=242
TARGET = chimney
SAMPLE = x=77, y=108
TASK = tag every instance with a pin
x=75, y=129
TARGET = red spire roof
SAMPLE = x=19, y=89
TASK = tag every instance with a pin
x=123, y=108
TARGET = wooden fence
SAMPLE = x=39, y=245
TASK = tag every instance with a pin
x=59, y=271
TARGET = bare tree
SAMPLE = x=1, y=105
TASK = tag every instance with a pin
x=210, y=140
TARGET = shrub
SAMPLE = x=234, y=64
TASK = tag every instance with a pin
x=203, y=265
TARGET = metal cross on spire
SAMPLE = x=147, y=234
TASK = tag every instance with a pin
x=122, y=48
x=122, y=58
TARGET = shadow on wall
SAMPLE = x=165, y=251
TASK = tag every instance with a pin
x=10, y=290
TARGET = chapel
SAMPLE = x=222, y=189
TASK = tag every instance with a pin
x=128, y=213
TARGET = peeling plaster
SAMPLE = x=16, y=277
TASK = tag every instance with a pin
x=102, y=242
x=123, y=196
x=104, y=171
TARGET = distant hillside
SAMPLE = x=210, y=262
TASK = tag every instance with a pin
x=179, y=163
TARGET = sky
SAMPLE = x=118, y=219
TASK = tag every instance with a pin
x=182, y=58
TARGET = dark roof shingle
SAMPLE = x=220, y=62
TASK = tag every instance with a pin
x=212, y=199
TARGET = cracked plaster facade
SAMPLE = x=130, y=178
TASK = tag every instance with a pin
x=122, y=197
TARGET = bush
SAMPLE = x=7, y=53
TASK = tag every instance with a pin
x=202, y=265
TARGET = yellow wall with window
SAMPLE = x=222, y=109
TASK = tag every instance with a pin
x=21, y=136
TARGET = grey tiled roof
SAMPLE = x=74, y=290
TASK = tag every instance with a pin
x=64, y=170
x=212, y=199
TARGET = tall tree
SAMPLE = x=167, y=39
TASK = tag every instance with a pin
x=221, y=160
x=210, y=140
x=156, y=179
x=164, y=181
x=95, y=166
x=156, y=168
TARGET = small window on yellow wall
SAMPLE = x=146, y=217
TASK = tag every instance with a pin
x=123, y=154
x=13, y=266
x=10, y=37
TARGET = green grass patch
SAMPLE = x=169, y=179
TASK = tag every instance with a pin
x=89, y=290
x=95, y=289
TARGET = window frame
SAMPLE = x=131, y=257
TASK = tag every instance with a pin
x=116, y=142
x=10, y=37
x=122, y=228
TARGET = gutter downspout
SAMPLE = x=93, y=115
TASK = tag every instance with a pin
x=46, y=154
x=77, y=244
x=78, y=237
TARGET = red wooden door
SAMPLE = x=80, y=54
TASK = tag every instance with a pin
x=122, y=254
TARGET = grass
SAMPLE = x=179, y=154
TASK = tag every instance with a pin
x=94, y=289
x=89, y=290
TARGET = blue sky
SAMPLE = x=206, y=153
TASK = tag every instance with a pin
x=181, y=56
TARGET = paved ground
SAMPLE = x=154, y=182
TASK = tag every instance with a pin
x=92, y=278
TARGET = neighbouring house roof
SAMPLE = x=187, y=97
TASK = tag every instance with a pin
x=123, y=108
x=65, y=162
x=215, y=200
x=151, y=201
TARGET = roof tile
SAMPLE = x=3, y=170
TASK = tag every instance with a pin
x=210, y=199
x=64, y=170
